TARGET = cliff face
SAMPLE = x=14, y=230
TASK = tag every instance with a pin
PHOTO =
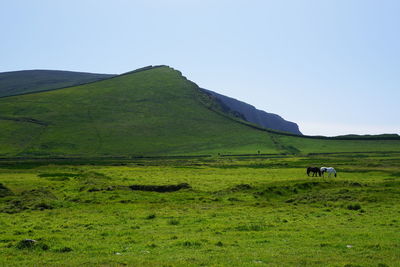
x=259, y=117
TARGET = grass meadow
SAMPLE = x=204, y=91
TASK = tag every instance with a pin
x=238, y=211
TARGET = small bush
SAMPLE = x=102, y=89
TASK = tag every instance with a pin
x=31, y=244
x=354, y=206
x=151, y=217
x=26, y=244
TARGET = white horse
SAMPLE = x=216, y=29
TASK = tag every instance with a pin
x=329, y=170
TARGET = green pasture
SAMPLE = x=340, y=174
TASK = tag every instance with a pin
x=239, y=211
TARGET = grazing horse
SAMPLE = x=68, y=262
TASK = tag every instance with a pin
x=329, y=170
x=315, y=171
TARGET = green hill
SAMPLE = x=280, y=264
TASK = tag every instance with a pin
x=28, y=81
x=152, y=112
x=33, y=81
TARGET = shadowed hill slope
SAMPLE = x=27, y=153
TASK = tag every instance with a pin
x=28, y=81
x=151, y=112
x=259, y=117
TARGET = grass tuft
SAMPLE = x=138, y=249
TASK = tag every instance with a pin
x=151, y=217
x=31, y=244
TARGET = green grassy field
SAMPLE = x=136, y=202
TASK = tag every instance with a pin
x=239, y=211
x=72, y=159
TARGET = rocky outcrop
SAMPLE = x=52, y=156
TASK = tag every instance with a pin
x=256, y=116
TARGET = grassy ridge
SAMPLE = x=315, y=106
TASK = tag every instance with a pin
x=148, y=113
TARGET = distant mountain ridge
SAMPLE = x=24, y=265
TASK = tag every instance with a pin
x=256, y=116
x=32, y=81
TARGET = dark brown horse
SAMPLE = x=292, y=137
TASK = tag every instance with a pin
x=315, y=171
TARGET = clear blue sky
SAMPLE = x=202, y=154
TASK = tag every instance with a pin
x=332, y=66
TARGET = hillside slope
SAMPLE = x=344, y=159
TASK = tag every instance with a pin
x=147, y=113
x=27, y=81
x=32, y=81
x=259, y=117
x=150, y=112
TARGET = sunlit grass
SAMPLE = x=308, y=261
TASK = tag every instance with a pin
x=238, y=212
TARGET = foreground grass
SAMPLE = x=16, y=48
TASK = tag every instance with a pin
x=239, y=212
